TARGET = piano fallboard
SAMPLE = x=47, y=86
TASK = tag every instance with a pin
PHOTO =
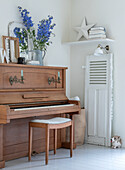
x=17, y=97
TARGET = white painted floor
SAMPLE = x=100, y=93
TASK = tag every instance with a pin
x=86, y=157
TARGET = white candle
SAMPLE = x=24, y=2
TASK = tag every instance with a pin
x=58, y=74
x=21, y=73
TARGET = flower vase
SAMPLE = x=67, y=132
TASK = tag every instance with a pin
x=35, y=57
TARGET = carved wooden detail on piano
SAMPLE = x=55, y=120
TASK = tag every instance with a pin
x=31, y=80
x=19, y=103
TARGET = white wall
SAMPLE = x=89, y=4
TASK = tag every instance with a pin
x=57, y=54
x=110, y=14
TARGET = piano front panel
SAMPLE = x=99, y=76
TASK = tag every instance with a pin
x=34, y=77
x=32, y=97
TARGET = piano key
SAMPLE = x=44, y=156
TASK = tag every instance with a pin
x=33, y=108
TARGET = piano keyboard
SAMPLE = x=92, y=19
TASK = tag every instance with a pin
x=42, y=107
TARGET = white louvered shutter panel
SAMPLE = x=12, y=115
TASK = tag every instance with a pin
x=99, y=99
x=98, y=72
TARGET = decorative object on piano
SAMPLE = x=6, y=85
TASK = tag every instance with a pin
x=16, y=80
x=54, y=80
x=32, y=41
x=97, y=32
x=75, y=98
x=35, y=57
x=101, y=50
x=22, y=28
x=83, y=30
x=11, y=48
x=116, y=142
x=3, y=56
x=21, y=60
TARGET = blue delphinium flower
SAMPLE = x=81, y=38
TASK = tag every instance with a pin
x=44, y=31
x=27, y=21
x=41, y=39
x=22, y=35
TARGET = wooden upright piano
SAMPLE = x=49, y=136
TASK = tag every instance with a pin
x=28, y=92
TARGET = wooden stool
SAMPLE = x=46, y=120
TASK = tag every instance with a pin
x=54, y=123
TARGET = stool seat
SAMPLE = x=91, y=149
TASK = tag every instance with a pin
x=56, y=120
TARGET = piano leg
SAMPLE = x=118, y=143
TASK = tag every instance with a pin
x=67, y=144
x=2, y=162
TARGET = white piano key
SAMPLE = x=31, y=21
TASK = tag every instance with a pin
x=43, y=107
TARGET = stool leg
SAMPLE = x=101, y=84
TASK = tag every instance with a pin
x=71, y=139
x=47, y=143
x=30, y=142
x=55, y=140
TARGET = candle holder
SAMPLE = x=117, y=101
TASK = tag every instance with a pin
x=53, y=80
x=16, y=80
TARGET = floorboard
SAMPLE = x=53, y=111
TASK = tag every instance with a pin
x=85, y=157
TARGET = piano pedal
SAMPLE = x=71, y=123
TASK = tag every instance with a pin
x=34, y=153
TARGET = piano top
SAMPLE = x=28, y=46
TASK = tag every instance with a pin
x=31, y=66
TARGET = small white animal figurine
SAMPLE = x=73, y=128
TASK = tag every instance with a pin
x=116, y=142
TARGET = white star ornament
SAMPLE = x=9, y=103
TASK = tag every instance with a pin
x=83, y=30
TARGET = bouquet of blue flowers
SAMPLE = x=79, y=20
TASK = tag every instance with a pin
x=40, y=38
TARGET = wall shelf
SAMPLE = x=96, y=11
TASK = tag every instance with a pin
x=107, y=40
